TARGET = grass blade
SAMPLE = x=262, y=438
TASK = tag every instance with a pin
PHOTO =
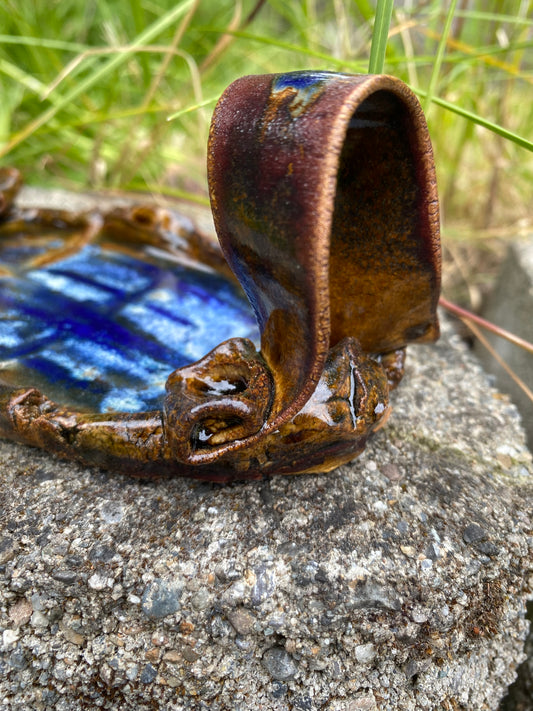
x=328, y=59
x=479, y=120
x=43, y=42
x=195, y=107
x=83, y=85
x=501, y=332
x=472, y=322
x=380, y=36
x=440, y=55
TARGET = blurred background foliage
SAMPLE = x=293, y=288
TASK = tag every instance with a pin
x=117, y=94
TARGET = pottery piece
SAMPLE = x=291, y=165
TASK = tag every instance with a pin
x=324, y=198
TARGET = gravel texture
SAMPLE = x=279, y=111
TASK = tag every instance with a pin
x=520, y=694
x=398, y=581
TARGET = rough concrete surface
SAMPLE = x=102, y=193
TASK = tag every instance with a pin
x=398, y=581
x=520, y=694
x=510, y=306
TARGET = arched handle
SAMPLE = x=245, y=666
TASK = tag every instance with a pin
x=324, y=199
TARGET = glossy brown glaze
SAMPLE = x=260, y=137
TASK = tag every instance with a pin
x=325, y=203
x=324, y=199
x=349, y=403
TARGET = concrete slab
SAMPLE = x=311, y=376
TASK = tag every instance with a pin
x=398, y=581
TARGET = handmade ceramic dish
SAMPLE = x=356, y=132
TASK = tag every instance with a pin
x=127, y=342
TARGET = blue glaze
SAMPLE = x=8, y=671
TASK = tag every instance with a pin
x=307, y=85
x=305, y=79
x=103, y=330
x=15, y=250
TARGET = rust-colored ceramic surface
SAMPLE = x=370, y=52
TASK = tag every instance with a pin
x=324, y=199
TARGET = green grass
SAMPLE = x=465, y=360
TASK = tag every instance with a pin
x=118, y=94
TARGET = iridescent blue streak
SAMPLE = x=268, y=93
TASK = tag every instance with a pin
x=307, y=86
x=103, y=330
x=302, y=80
